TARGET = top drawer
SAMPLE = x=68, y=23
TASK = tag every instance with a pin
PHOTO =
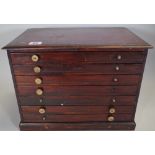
x=77, y=57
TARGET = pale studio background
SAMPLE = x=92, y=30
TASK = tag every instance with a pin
x=9, y=115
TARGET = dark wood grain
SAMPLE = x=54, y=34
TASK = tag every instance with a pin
x=73, y=49
x=31, y=117
x=76, y=110
x=78, y=68
x=78, y=90
x=77, y=57
x=83, y=69
x=79, y=37
x=80, y=80
x=77, y=100
x=78, y=126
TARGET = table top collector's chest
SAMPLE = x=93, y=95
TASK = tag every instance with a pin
x=77, y=78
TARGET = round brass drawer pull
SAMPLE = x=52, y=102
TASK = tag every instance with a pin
x=42, y=110
x=37, y=69
x=117, y=68
x=39, y=91
x=112, y=110
x=111, y=118
x=38, y=81
x=115, y=79
x=119, y=57
x=35, y=58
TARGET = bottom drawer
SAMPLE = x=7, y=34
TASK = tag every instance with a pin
x=77, y=126
x=76, y=113
x=75, y=118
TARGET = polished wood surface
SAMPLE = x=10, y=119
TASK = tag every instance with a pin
x=68, y=79
x=76, y=110
x=77, y=57
x=77, y=100
x=78, y=90
x=50, y=69
x=78, y=37
x=31, y=117
x=77, y=78
x=78, y=126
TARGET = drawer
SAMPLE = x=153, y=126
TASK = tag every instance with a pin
x=78, y=80
x=45, y=69
x=76, y=90
x=31, y=117
x=76, y=110
x=77, y=100
x=77, y=57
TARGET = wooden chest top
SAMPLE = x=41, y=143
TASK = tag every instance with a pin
x=78, y=38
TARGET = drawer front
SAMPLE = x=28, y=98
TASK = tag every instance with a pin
x=76, y=110
x=78, y=80
x=77, y=90
x=77, y=57
x=81, y=68
x=91, y=84
x=30, y=117
x=77, y=100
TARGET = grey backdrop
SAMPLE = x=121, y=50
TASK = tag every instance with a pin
x=9, y=115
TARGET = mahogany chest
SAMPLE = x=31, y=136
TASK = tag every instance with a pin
x=77, y=78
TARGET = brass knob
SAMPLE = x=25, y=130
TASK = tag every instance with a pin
x=113, y=100
x=111, y=118
x=40, y=100
x=115, y=79
x=35, y=58
x=37, y=69
x=39, y=91
x=38, y=81
x=117, y=68
x=119, y=57
x=112, y=110
x=44, y=118
x=42, y=110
